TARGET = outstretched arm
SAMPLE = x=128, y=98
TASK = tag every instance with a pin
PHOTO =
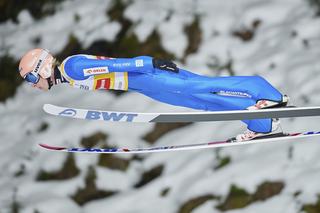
x=80, y=67
x=141, y=64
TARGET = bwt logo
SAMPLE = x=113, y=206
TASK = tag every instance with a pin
x=97, y=115
x=68, y=113
x=110, y=116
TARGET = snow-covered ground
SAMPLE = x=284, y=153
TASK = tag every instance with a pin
x=285, y=50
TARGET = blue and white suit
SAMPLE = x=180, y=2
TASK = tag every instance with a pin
x=184, y=88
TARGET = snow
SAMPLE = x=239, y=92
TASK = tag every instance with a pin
x=188, y=174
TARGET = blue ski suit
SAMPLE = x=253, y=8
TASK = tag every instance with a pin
x=184, y=88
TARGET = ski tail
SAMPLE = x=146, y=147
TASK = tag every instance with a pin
x=46, y=146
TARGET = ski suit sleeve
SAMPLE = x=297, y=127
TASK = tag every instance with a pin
x=81, y=67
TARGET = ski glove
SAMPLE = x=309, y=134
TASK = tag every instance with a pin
x=165, y=65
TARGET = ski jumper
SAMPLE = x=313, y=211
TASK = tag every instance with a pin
x=181, y=89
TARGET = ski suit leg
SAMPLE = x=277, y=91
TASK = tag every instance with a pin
x=177, y=99
x=255, y=87
x=211, y=102
x=235, y=103
x=252, y=88
x=200, y=92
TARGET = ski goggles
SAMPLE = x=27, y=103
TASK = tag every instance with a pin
x=33, y=77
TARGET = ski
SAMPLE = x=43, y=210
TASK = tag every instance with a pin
x=201, y=116
x=286, y=137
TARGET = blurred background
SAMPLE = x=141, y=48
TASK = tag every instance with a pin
x=277, y=39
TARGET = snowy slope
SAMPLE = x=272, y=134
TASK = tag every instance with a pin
x=288, y=62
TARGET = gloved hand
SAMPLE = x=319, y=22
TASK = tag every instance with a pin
x=166, y=65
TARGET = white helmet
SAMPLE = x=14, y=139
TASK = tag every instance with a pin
x=36, y=63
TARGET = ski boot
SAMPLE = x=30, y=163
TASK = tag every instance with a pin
x=248, y=135
x=276, y=129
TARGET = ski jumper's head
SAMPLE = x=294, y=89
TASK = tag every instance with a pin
x=36, y=67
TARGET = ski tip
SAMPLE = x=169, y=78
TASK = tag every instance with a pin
x=46, y=107
x=57, y=148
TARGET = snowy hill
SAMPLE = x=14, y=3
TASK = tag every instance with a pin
x=278, y=40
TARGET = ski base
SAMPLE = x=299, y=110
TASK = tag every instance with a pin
x=287, y=137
